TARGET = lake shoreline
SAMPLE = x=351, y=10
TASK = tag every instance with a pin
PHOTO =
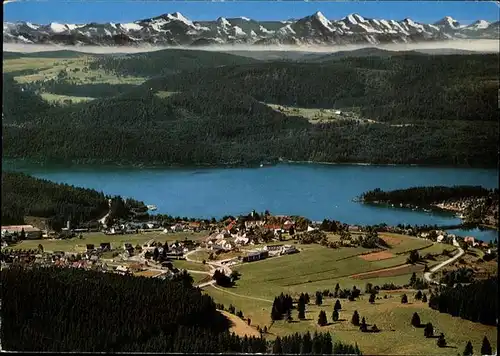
x=263, y=164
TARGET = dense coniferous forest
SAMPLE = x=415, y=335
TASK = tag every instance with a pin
x=23, y=195
x=76, y=310
x=152, y=64
x=424, y=196
x=404, y=88
x=476, y=302
x=218, y=115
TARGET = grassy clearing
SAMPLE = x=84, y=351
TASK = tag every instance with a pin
x=49, y=68
x=319, y=268
x=239, y=326
x=199, y=278
x=51, y=98
x=404, y=243
x=117, y=241
x=166, y=94
x=181, y=264
x=397, y=337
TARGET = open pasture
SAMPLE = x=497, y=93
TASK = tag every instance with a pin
x=76, y=69
x=397, y=336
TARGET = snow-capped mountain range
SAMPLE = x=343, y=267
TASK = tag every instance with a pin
x=175, y=29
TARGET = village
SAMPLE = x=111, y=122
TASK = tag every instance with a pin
x=229, y=242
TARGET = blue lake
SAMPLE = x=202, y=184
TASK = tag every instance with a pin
x=312, y=190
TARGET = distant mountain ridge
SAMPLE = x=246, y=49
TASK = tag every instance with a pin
x=177, y=30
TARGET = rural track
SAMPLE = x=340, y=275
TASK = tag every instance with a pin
x=228, y=271
x=428, y=275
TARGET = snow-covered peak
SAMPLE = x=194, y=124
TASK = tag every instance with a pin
x=57, y=27
x=130, y=26
x=449, y=22
x=285, y=30
x=324, y=21
x=30, y=25
x=479, y=25
x=179, y=17
x=359, y=18
x=223, y=21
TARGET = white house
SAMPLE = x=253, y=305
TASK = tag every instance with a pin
x=177, y=227
x=242, y=240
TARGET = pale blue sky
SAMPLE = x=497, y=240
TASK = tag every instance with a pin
x=127, y=11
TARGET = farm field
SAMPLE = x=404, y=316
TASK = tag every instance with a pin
x=319, y=268
x=49, y=68
x=403, y=243
x=77, y=245
x=61, y=99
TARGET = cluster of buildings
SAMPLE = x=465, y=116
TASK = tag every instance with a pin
x=13, y=233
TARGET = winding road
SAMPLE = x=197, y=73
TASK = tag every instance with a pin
x=428, y=275
x=227, y=271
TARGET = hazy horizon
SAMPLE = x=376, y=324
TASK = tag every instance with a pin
x=482, y=45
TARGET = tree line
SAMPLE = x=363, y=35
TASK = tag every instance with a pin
x=425, y=196
x=121, y=314
x=24, y=195
x=475, y=302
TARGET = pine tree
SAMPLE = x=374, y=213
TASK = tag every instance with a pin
x=327, y=344
x=441, y=342
x=486, y=347
x=418, y=296
x=424, y=298
x=372, y=298
x=404, y=299
x=413, y=279
x=306, y=298
x=277, y=348
x=337, y=306
x=319, y=298
x=335, y=315
x=306, y=344
x=428, y=330
x=468, y=349
x=301, y=307
x=363, y=327
x=375, y=329
x=322, y=320
x=275, y=312
x=355, y=318
x=415, y=320
x=316, y=343
x=289, y=315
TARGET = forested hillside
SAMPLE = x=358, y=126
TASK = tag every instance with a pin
x=425, y=195
x=213, y=116
x=76, y=310
x=476, y=302
x=164, y=62
x=23, y=195
x=403, y=88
